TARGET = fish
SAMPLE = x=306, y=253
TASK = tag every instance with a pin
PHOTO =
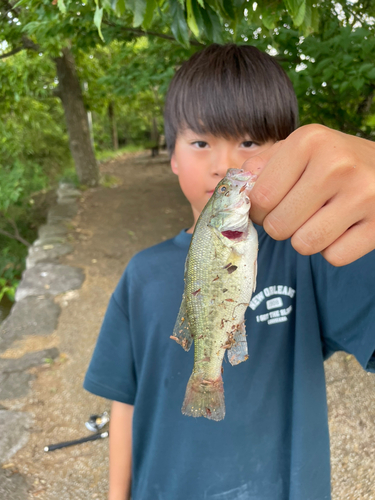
x=220, y=277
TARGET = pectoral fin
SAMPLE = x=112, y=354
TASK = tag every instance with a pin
x=238, y=352
x=181, y=331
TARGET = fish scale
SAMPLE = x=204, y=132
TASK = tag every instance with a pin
x=219, y=279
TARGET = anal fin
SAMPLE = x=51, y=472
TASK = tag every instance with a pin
x=181, y=331
x=238, y=352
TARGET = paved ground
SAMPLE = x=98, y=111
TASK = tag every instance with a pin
x=112, y=224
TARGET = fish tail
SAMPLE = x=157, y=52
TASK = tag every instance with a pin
x=204, y=397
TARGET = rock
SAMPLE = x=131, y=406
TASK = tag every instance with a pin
x=49, y=240
x=27, y=361
x=30, y=316
x=49, y=278
x=66, y=199
x=14, y=385
x=13, y=486
x=14, y=434
x=48, y=230
x=14, y=380
x=46, y=253
x=61, y=212
x=67, y=189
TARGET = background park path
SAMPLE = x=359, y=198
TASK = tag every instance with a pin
x=144, y=208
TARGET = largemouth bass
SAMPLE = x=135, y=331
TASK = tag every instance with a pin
x=220, y=277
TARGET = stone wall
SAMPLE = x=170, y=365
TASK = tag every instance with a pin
x=34, y=313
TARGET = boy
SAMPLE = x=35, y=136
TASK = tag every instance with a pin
x=226, y=105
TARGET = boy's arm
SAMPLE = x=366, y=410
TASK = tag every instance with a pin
x=120, y=451
x=317, y=187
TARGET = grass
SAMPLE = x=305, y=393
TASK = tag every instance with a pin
x=69, y=174
x=107, y=154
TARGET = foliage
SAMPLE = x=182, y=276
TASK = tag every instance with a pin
x=6, y=289
x=336, y=87
x=325, y=46
x=205, y=19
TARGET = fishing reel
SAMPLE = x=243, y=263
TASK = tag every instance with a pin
x=97, y=422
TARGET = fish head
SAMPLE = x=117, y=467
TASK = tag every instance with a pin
x=230, y=205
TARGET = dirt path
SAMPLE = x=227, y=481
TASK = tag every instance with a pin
x=112, y=224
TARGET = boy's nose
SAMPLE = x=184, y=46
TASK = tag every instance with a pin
x=221, y=163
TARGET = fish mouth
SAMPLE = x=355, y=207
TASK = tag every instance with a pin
x=240, y=175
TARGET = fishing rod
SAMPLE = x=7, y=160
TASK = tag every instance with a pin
x=94, y=424
x=65, y=444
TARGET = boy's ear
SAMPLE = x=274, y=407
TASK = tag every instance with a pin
x=174, y=165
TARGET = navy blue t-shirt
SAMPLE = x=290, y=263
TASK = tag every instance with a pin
x=273, y=443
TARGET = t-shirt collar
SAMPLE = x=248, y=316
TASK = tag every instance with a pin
x=183, y=239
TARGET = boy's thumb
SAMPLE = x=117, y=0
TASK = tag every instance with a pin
x=255, y=164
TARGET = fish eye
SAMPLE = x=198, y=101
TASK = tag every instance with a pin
x=223, y=188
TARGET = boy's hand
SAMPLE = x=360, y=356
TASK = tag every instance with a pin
x=317, y=187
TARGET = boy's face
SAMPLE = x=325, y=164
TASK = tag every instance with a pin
x=202, y=160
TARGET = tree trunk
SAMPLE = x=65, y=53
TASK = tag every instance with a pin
x=112, y=123
x=154, y=137
x=76, y=119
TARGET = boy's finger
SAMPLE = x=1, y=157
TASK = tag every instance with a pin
x=255, y=164
x=278, y=169
x=310, y=193
x=324, y=228
x=356, y=242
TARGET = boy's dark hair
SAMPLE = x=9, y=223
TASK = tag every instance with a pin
x=228, y=91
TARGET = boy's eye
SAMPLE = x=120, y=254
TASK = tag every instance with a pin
x=248, y=144
x=200, y=144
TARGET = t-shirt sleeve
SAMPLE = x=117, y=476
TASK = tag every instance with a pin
x=346, y=303
x=111, y=372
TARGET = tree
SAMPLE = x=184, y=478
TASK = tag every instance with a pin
x=325, y=47
x=41, y=27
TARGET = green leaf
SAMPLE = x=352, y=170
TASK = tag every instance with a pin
x=192, y=23
x=343, y=86
x=61, y=5
x=149, y=14
x=98, y=19
x=208, y=28
x=315, y=19
x=228, y=9
x=268, y=19
x=201, y=3
x=179, y=27
x=118, y=6
x=358, y=83
x=364, y=68
x=323, y=64
x=217, y=29
x=371, y=74
x=297, y=9
x=139, y=12
x=198, y=11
